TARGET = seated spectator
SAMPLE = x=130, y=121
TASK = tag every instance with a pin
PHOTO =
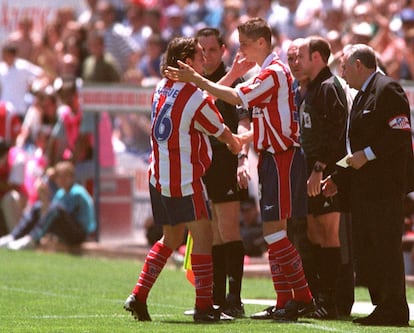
x=251, y=229
x=45, y=189
x=13, y=194
x=70, y=215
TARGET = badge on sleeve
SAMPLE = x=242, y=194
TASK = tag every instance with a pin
x=399, y=122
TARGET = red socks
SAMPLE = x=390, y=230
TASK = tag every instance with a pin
x=287, y=266
x=154, y=263
x=280, y=284
x=202, y=266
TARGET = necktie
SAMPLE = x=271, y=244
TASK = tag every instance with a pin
x=355, y=104
x=357, y=99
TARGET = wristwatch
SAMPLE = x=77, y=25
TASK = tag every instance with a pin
x=318, y=168
x=241, y=155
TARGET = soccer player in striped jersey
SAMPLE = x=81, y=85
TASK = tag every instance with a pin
x=223, y=190
x=182, y=118
x=281, y=168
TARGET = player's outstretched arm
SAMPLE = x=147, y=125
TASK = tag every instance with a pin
x=187, y=74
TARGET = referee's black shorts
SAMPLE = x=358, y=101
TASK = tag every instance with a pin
x=320, y=204
x=221, y=178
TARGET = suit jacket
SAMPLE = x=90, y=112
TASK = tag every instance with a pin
x=381, y=120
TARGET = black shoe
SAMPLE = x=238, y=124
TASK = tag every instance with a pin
x=234, y=307
x=293, y=309
x=375, y=319
x=265, y=314
x=138, y=310
x=324, y=311
x=211, y=315
x=235, y=311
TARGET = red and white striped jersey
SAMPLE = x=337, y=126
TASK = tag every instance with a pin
x=182, y=118
x=270, y=95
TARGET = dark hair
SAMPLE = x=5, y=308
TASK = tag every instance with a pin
x=255, y=28
x=321, y=45
x=180, y=48
x=10, y=48
x=207, y=32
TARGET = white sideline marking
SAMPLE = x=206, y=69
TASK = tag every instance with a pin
x=324, y=328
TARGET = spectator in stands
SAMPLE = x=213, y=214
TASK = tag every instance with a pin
x=136, y=25
x=153, y=19
x=74, y=43
x=46, y=54
x=40, y=117
x=99, y=66
x=65, y=133
x=406, y=63
x=386, y=41
x=16, y=75
x=70, y=214
x=298, y=18
x=89, y=16
x=45, y=188
x=149, y=65
x=13, y=195
x=64, y=15
x=116, y=40
x=132, y=130
x=229, y=23
x=175, y=25
x=25, y=38
x=202, y=13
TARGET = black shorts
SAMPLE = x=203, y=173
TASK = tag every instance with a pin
x=221, y=178
x=320, y=204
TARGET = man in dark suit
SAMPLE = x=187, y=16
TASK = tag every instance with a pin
x=379, y=147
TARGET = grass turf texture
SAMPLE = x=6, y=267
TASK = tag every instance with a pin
x=47, y=292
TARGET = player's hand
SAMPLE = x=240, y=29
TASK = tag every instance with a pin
x=246, y=137
x=241, y=65
x=243, y=173
x=235, y=145
x=184, y=73
x=329, y=188
x=314, y=184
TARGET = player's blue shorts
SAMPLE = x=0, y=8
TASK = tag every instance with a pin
x=282, y=184
x=173, y=211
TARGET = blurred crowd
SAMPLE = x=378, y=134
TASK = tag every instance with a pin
x=122, y=41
